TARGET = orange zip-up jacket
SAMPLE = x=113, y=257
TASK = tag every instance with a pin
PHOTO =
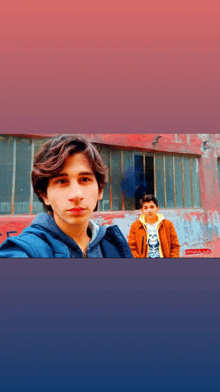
x=138, y=237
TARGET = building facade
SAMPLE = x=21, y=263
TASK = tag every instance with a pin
x=182, y=170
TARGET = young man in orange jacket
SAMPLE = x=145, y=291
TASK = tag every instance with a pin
x=152, y=236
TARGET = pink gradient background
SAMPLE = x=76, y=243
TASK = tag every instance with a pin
x=116, y=66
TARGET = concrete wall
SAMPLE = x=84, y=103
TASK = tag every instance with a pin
x=191, y=143
x=197, y=230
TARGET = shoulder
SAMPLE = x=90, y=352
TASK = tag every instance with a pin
x=168, y=226
x=136, y=224
x=114, y=243
x=113, y=232
x=30, y=244
x=23, y=245
x=167, y=223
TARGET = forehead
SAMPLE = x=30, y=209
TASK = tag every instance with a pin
x=149, y=204
x=77, y=163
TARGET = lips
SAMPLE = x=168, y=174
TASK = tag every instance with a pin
x=77, y=210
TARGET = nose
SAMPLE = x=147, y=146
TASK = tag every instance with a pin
x=75, y=192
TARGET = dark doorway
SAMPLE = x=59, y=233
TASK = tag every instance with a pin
x=144, y=179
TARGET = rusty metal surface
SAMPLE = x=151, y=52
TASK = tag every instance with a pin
x=155, y=178
x=122, y=178
x=183, y=183
x=13, y=178
x=174, y=183
x=191, y=180
x=110, y=181
x=31, y=188
x=164, y=179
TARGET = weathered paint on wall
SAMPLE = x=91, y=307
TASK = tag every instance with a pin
x=196, y=229
x=191, y=143
x=208, y=175
x=173, y=143
x=11, y=225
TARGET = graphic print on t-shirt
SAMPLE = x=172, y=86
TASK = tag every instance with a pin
x=153, y=241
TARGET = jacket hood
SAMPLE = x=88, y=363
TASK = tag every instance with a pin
x=45, y=223
x=160, y=218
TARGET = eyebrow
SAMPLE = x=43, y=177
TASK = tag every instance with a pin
x=86, y=173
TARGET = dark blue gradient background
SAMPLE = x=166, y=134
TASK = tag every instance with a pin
x=110, y=323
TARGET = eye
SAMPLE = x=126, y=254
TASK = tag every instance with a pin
x=61, y=181
x=85, y=179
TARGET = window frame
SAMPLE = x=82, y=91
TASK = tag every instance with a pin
x=154, y=155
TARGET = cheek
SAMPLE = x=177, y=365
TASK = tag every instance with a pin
x=51, y=198
x=94, y=193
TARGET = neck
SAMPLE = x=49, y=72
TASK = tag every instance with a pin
x=82, y=239
x=78, y=233
x=151, y=221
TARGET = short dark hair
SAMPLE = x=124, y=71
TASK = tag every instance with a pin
x=51, y=159
x=147, y=199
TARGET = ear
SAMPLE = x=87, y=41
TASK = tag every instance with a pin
x=100, y=194
x=45, y=199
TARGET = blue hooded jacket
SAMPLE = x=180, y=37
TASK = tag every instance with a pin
x=43, y=238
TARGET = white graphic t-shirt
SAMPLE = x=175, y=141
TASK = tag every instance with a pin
x=153, y=241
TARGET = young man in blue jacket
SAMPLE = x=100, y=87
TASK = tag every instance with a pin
x=68, y=177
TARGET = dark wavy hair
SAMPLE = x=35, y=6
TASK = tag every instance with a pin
x=147, y=199
x=51, y=159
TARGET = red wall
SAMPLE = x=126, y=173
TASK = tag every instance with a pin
x=109, y=66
